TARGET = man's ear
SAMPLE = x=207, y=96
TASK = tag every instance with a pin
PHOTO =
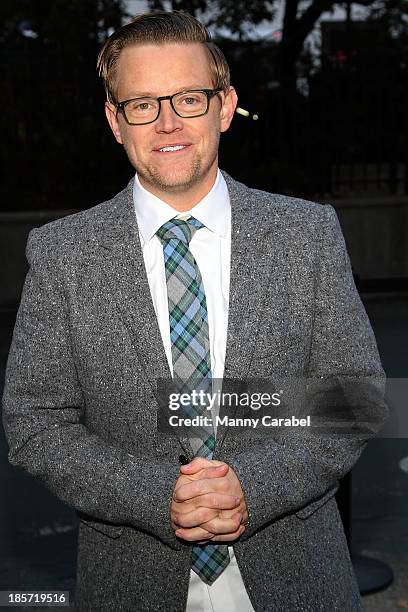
x=228, y=109
x=110, y=112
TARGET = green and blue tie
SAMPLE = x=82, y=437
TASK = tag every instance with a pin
x=190, y=349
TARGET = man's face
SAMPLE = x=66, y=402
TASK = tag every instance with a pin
x=161, y=70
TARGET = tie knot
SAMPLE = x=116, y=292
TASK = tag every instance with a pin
x=179, y=229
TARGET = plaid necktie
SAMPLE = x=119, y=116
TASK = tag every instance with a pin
x=191, y=355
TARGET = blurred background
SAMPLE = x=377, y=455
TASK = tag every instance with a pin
x=323, y=88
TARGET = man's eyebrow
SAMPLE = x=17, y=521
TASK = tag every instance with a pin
x=149, y=94
x=138, y=94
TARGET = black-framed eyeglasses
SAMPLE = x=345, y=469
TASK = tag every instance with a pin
x=186, y=104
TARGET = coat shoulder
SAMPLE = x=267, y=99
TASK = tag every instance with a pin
x=288, y=204
x=281, y=208
x=79, y=230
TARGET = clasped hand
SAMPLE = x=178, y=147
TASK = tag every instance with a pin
x=208, y=503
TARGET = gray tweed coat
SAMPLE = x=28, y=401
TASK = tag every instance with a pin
x=80, y=402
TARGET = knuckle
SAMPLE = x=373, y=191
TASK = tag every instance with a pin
x=178, y=495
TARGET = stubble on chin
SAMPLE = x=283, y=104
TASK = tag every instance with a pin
x=173, y=181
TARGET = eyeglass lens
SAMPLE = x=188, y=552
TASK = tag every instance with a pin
x=186, y=104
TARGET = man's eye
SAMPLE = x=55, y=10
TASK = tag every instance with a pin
x=190, y=100
x=142, y=106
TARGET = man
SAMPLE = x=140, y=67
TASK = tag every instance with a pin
x=185, y=274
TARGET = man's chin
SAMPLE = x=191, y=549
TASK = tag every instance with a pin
x=173, y=182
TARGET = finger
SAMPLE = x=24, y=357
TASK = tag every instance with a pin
x=200, y=463
x=220, y=501
x=196, y=464
x=229, y=537
x=195, y=534
x=216, y=503
x=195, y=518
x=204, y=508
x=185, y=507
x=200, y=536
x=242, y=509
x=203, y=486
x=223, y=526
x=213, y=471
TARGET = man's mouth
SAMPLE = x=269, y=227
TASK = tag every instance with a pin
x=171, y=148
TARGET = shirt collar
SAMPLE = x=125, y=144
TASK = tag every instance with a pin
x=152, y=212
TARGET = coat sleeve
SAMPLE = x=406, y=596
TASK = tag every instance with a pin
x=42, y=409
x=298, y=473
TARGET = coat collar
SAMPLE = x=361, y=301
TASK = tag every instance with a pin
x=117, y=227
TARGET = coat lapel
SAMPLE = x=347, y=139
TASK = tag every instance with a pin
x=252, y=254
x=127, y=284
x=249, y=271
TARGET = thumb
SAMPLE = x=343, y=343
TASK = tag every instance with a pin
x=200, y=463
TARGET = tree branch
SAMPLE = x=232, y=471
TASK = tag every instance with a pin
x=304, y=25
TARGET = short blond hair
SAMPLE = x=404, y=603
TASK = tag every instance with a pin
x=159, y=27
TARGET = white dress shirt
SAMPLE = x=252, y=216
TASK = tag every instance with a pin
x=211, y=248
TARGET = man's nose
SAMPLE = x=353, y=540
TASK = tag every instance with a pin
x=168, y=120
